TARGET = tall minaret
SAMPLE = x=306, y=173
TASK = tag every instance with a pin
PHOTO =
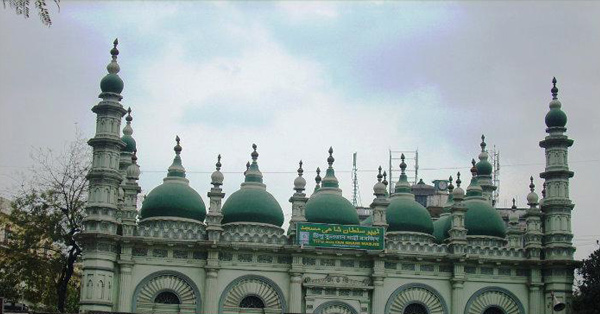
x=484, y=173
x=99, y=233
x=298, y=201
x=380, y=203
x=557, y=207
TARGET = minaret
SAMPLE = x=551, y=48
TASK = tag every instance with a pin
x=533, y=232
x=131, y=190
x=380, y=203
x=130, y=144
x=484, y=173
x=216, y=195
x=514, y=234
x=557, y=205
x=99, y=233
x=298, y=201
x=458, y=232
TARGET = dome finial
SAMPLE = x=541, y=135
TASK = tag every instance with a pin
x=318, y=180
x=402, y=163
x=128, y=118
x=450, y=186
x=300, y=170
x=473, y=168
x=218, y=164
x=544, y=190
x=300, y=182
x=385, y=182
x=177, y=147
x=514, y=204
x=330, y=159
x=554, y=89
x=458, y=181
x=113, y=66
x=217, y=177
x=379, y=175
x=531, y=185
x=483, y=144
x=254, y=154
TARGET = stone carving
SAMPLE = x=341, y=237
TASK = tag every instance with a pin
x=254, y=233
x=415, y=294
x=481, y=301
x=173, y=229
x=338, y=281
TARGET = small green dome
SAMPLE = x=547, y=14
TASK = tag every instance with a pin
x=130, y=144
x=406, y=214
x=556, y=118
x=484, y=167
x=482, y=219
x=173, y=199
x=330, y=208
x=252, y=205
x=111, y=83
x=441, y=228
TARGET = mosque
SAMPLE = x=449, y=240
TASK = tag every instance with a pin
x=175, y=255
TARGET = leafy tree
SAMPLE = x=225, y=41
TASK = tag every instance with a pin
x=21, y=7
x=38, y=261
x=587, y=296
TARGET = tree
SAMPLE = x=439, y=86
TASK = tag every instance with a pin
x=38, y=261
x=587, y=297
x=21, y=7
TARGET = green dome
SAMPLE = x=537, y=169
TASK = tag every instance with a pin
x=441, y=228
x=482, y=219
x=406, y=214
x=252, y=205
x=484, y=167
x=330, y=208
x=556, y=118
x=130, y=144
x=111, y=83
x=173, y=199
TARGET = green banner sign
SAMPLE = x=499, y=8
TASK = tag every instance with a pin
x=340, y=236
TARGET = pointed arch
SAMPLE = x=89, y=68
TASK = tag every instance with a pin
x=488, y=297
x=252, y=285
x=416, y=293
x=167, y=281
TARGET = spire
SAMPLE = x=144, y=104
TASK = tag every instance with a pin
x=130, y=144
x=112, y=83
x=450, y=185
x=555, y=118
x=253, y=174
x=379, y=187
x=402, y=186
x=474, y=189
x=217, y=175
x=330, y=181
x=458, y=194
x=127, y=130
x=554, y=89
x=300, y=182
x=532, y=197
x=318, y=180
x=176, y=169
x=133, y=171
x=483, y=144
x=513, y=219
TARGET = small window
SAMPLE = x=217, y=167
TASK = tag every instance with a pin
x=493, y=310
x=167, y=298
x=415, y=308
x=252, y=302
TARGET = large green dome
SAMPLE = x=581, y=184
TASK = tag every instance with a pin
x=441, y=228
x=331, y=208
x=130, y=144
x=482, y=219
x=406, y=214
x=556, y=118
x=484, y=167
x=111, y=83
x=173, y=199
x=252, y=205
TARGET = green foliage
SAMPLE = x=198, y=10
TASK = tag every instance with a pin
x=21, y=7
x=587, y=297
x=37, y=262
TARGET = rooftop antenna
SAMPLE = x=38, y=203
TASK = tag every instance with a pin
x=495, y=175
x=356, y=201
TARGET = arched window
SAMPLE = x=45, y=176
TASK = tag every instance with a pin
x=252, y=302
x=416, y=308
x=493, y=310
x=167, y=297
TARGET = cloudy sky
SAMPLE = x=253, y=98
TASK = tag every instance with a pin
x=296, y=78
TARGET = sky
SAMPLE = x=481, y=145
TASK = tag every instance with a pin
x=298, y=77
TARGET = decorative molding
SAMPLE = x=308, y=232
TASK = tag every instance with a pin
x=253, y=233
x=335, y=307
x=416, y=293
x=494, y=296
x=172, y=281
x=171, y=228
x=258, y=286
x=339, y=282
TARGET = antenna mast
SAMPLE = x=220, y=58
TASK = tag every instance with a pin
x=356, y=201
x=496, y=175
